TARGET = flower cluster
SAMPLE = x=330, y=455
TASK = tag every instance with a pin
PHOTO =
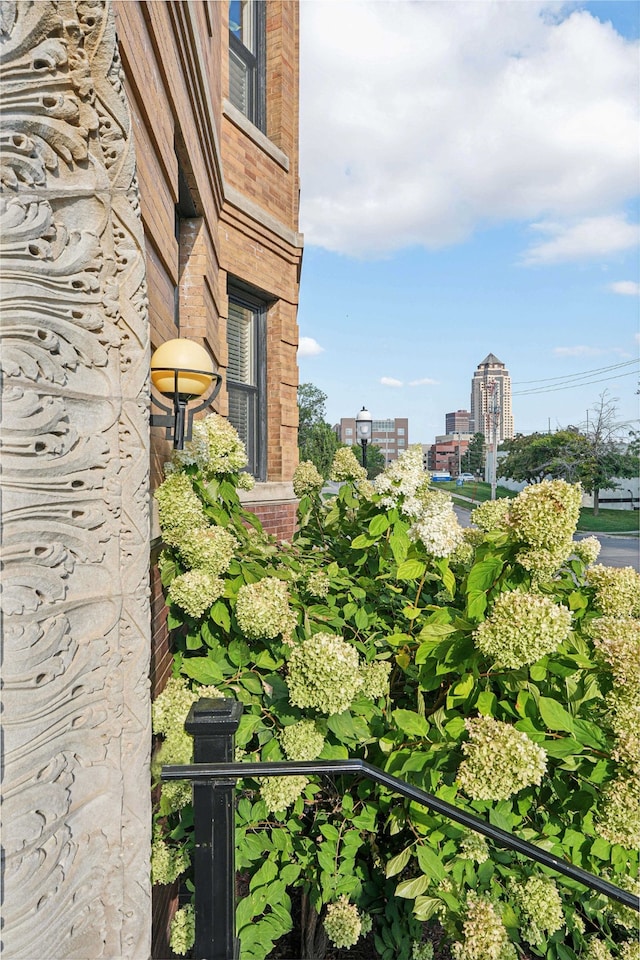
x=215, y=448
x=343, y=924
x=597, y=950
x=375, y=679
x=617, y=641
x=492, y=514
x=540, y=906
x=630, y=950
x=195, y=591
x=183, y=930
x=619, y=820
x=263, y=611
x=436, y=524
x=279, y=793
x=587, y=550
x=499, y=760
x=324, y=674
x=421, y=951
x=485, y=936
x=624, y=717
x=402, y=478
x=346, y=467
x=302, y=740
x=210, y=550
x=521, y=628
x=318, y=583
x=544, y=516
x=246, y=481
x=473, y=846
x=167, y=863
x=617, y=590
x=179, y=508
x=307, y=480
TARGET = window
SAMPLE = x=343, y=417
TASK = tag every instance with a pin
x=348, y=431
x=246, y=376
x=247, y=59
x=400, y=431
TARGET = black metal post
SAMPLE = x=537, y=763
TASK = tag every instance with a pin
x=213, y=724
x=364, y=453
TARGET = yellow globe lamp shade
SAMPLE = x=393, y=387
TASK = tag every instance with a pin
x=193, y=364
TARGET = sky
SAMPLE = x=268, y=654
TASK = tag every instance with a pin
x=470, y=176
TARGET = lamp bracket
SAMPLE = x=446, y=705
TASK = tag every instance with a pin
x=180, y=405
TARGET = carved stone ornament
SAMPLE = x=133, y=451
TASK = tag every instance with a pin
x=75, y=513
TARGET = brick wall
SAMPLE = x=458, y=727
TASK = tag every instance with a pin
x=244, y=187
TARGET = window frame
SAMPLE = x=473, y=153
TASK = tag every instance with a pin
x=257, y=427
x=255, y=64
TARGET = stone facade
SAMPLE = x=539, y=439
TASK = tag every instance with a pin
x=75, y=466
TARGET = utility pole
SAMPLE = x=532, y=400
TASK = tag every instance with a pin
x=492, y=420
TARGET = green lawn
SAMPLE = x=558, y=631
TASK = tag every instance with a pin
x=607, y=521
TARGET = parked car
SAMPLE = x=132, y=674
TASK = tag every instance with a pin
x=466, y=476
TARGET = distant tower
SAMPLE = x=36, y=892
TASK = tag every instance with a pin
x=491, y=400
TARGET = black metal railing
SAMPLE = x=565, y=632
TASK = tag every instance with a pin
x=213, y=724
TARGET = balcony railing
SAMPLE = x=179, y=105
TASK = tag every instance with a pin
x=213, y=724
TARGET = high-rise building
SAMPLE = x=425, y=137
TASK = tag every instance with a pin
x=491, y=400
x=391, y=435
x=457, y=422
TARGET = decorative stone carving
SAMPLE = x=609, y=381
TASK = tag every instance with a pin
x=75, y=512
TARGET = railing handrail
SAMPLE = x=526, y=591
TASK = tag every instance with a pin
x=229, y=773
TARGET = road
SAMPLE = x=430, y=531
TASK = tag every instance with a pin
x=617, y=550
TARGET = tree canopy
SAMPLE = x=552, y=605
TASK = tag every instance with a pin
x=375, y=459
x=593, y=455
x=317, y=440
x=473, y=458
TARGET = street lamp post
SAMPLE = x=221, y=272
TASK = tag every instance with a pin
x=363, y=432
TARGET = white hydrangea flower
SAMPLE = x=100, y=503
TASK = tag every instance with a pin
x=346, y=467
x=263, y=611
x=401, y=478
x=324, y=674
x=195, y=591
x=279, y=793
x=485, y=936
x=499, y=760
x=183, y=930
x=343, y=924
x=617, y=590
x=180, y=511
x=306, y=479
x=210, y=549
x=541, y=907
x=302, y=740
x=521, y=628
x=216, y=448
x=436, y=525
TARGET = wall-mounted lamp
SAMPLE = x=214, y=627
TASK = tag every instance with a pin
x=183, y=371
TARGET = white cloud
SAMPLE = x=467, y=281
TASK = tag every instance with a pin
x=425, y=381
x=586, y=239
x=581, y=350
x=308, y=347
x=390, y=382
x=627, y=288
x=446, y=116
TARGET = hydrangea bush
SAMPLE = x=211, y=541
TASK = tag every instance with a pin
x=496, y=668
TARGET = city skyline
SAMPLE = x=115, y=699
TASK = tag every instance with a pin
x=479, y=198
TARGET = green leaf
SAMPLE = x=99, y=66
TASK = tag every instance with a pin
x=362, y=619
x=484, y=574
x=361, y=542
x=554, y=715
x=600, y=849
x=436, y=631
x=411, y=570
x=378, y=525
x=399, y=543
x=398, y=863
x=267, y=872
x=219, y=613
x=329, y=831
x=425, y=907
x=487, y=703
x=411, y=723
x=412, y=888
x=202, y=669
x=430, y=863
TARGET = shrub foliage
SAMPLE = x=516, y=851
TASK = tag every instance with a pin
x=496, y=668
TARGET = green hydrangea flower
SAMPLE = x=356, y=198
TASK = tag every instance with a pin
x=210, y=550
x=279, y=793
x=318, y=584
x=342, y=923
x=180, y=511
x=216, y=448
x=541, y=908
x=499, y=760
x=521, y=628
x=617, y=641
x=167, y=862
x=619, y=819
x=346, y=467
x=307, y=480
x=485, y=936
x=183, y=930
x=473, y=846
x=597, y=950
x=587, y=550
x=263, y=611
x=617, y=591
x=195, y=591
x=324, y=674
x=375, y=679
x=302, y=740
x=492, y=514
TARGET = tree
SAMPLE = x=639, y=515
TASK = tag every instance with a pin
x=317, y=441
x=472, y=460
x=375, y=459
x=593, y=455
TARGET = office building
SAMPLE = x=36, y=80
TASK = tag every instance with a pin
x=491, y=412
x=391, y=435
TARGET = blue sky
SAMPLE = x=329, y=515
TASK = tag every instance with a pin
x=470, y=178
